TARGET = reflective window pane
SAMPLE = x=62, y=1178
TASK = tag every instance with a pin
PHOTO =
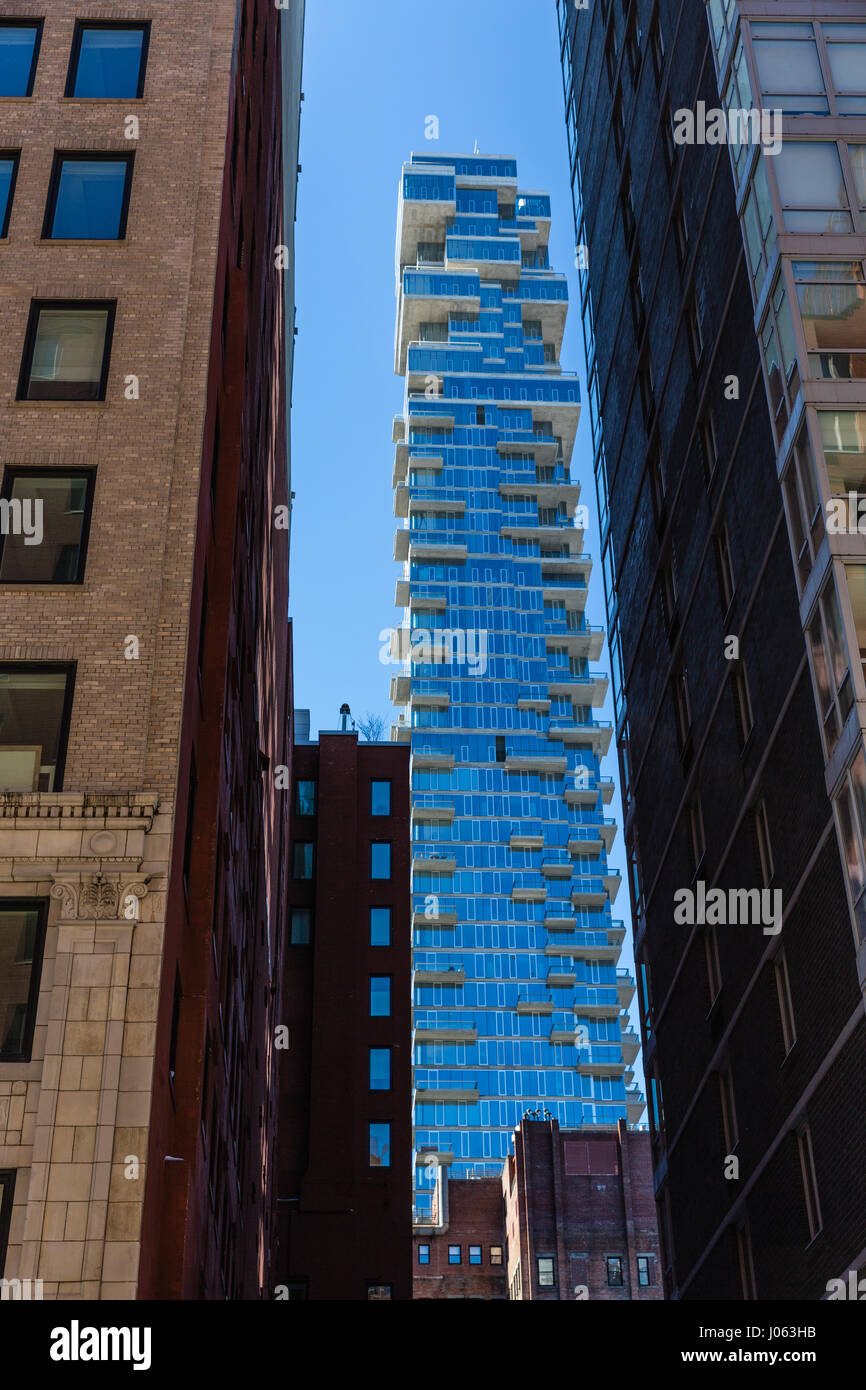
x=380, y=926
x=832, y=300
x=380, y=798
x=858, y=163
x=8, y=170
x=67, y=354
x=18, y=49
x=380, y=996
x=380, y=860
x=380, y=1146
x=108, y=61
x=89, y=199
x=43, y=527
x=305, y=798
x=809, y=176
x=21, y=940
x=380, y=1068
x=788, y=65
x=32, y=728
x=846, y=49
x=300, y=926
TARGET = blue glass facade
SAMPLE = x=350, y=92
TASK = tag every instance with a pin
x=519, y=1000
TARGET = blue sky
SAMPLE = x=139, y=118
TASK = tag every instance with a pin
x=489, y=70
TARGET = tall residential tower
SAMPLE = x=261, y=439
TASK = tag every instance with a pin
x=519, y=1003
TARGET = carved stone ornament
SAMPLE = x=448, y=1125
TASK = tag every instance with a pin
x=98, y=898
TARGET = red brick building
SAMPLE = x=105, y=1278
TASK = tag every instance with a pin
x=572, y=1218
x=345, y=1197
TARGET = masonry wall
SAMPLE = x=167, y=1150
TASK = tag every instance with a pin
x=100, y=1210
x=476, y=1216
x=346, y=1226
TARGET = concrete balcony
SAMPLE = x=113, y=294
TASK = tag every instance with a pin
x=427, y=806
x=525, y=528
x=449, y=976
x=634, y=1104
x=427, y=699
x=543, y=1008
x=536, y=762
x=421, y=219
x=434, y=864
x=589, y=893
x=546, y=494
x=401, y=732
x=564, y=589
x=571, y=566
x=608, y=833
x=556, y=864
x=559, y=922
x=398, y=429
x=590, y=689
x=446, y=920
x=405, y=462
x=446, y=1035
x=528, y=893
x=630, y=1045
x=400, y=688
x=433, y=552
x=561, y=979
x=625, y=987
x=589, y=844
x=585, y=643
x=456, y=1096
x=415, y=308
x=539, y=703
x=431, y=757
x=526, y=841
x=612, y=880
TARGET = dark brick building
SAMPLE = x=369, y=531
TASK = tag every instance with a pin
x=345, y=1195
x=573, y=1218
x=755, y=1041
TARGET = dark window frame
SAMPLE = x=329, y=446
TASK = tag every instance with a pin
x=9, y=476
x=614, y=1264
x=382, y=878
x=546, y=1277
x=75, y=54
x=380, y=782
x=52, y=668
x=15, y=156
x=26, y=1053
x=87, y=157
x=306, y=878
x=26, y=23
x=390, y=980
x=74, y=306
x=423, y=1258
x=300, y=907
x=381, y=907
x=8, y=1177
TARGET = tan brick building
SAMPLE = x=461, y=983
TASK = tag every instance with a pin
x=143, y=641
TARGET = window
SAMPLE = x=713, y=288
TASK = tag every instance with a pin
x=743, y=118
x=765, y=854
x=303, y=859
x=380, y=926
x=546, y=1272
x=22, y=939
x=811, y=187
x=423, y=1254
x=722, y=15
x=846, y=51
x=645, y=1271
x=380, y=798
x=44, y=525
x=786, y=57
x=693, y=328
x=66, y=351
x=380, y=996
x=850, y=805
x=832, y=299
x=305, y=798
x=830, y=670
x=759, y=228
x=379, y=1293
x=380, y=859
x=88, y=198
x=301, y=926
x=108, y=60
x=614, y=1271
x=742, y=703
x=496, y=1254
x=697, y=842
x=724, y=567
x=780, y=358
x=190, y=822
x=8, y=175
x=175, y=1029
x=707, y=444
x=379, y=1146
x=729, y=1110
x=786, y=1008
x=682, y=706
x=714, y=970
x=803, y=505
x=475, y=1255
x=810, y=1181
x=19, y=52
x=380, y=1068
x=454, y=1254
x=35, y=704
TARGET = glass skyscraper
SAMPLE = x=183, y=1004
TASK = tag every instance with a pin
x=519, y=1002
